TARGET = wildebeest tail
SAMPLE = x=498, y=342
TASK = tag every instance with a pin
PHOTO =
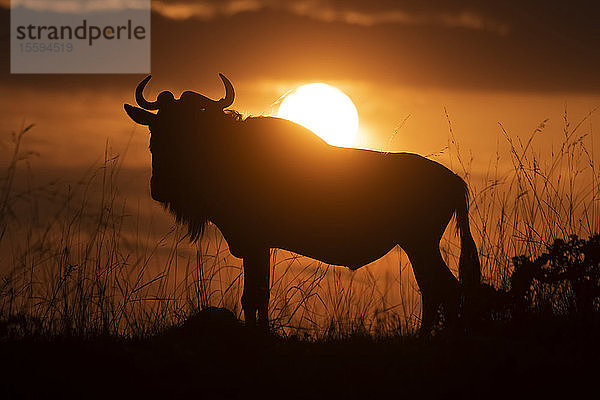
x=469, y=269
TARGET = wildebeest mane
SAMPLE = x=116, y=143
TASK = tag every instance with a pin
x=188, y=206
x=195, y=218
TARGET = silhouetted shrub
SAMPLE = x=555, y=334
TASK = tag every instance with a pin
x=565, y=279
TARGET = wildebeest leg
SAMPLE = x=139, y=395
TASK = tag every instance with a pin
x=449, y=289
x=437, y=285
x=429, y=308
x=255, y=298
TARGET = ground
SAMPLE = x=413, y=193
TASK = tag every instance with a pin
x=219, y=358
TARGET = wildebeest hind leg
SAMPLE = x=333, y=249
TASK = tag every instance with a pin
x=255, y=298
x=437, y=285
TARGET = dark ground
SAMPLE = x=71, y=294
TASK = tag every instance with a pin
x=218, y=359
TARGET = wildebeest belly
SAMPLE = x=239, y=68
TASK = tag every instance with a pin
x=342, y=236
x=352, y=253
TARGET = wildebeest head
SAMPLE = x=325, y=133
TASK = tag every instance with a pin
x=171, y=128
x=177, y=131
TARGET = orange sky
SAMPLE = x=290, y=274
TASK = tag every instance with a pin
x=72, y=128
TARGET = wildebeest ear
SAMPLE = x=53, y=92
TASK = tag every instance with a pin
x=140, y=116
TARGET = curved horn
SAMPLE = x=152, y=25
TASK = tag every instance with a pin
x=206, y=102
x=229, y=93
x=139, y=96
x=196, y=99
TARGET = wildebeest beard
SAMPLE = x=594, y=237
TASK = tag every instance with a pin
x=190, y=213
x=188, y=202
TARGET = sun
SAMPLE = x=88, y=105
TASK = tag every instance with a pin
x=323, y=109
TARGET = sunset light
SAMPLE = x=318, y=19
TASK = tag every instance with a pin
x=325, y=110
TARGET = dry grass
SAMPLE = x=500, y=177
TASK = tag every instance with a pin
x=77, y=261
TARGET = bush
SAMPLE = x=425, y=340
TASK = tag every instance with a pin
x=564, y=279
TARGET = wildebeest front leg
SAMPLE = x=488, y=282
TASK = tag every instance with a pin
x=255, y=298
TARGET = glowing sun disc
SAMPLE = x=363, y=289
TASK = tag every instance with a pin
x=323, y=109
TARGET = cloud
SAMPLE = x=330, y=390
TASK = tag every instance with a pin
x=461, y=19
x=204, y=10
x=327, y=11
x=352, y=13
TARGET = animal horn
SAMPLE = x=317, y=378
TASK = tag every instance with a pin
x=229, y=93
x=197, y=99
x=203, y=101
x=139, y=96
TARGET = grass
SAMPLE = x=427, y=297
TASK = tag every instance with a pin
x=80, y=261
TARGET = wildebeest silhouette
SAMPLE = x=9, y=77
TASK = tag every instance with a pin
x=267, y=182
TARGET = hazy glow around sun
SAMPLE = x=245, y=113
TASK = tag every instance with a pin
x=323, y=109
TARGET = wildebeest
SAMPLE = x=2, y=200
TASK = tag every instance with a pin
x=266, y=183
